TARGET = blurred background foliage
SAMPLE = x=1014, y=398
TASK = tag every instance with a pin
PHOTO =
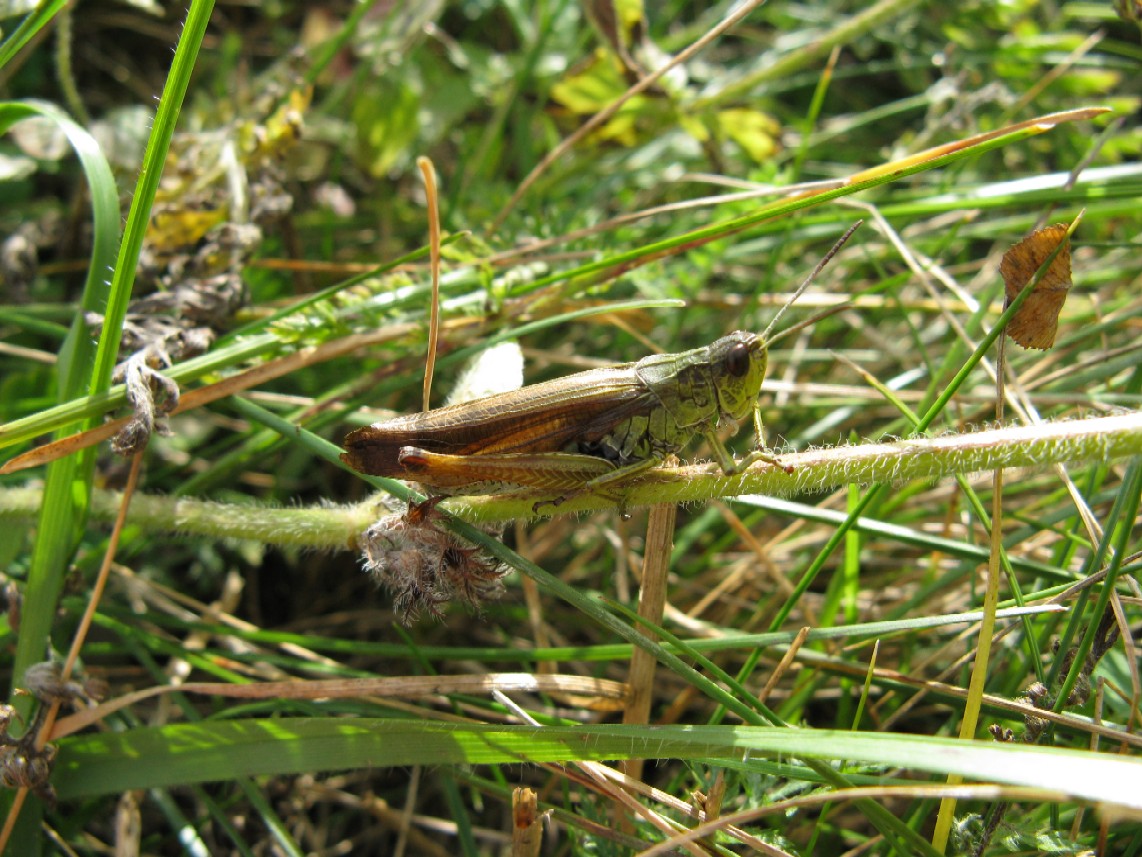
x=293, y=176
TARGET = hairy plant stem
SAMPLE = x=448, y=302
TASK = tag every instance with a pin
x=1094, y=440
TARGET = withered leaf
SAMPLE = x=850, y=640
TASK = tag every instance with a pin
x=1037, y=320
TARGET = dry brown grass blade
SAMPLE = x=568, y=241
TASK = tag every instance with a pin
x=211, y=393
x=428, y=173
x=651, y=604
x=1040, y=124
x=405, y=687
x=748, y=816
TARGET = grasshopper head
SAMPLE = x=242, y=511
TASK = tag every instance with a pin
x=738, y=362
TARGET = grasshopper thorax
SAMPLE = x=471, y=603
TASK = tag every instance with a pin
x=738, y=362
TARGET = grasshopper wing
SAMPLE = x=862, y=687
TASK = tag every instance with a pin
x=555, y=416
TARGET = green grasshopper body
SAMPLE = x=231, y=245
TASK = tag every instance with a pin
x=576, y=433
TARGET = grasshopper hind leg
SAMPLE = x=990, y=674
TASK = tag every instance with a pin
x=545, y=471
x=604, y=485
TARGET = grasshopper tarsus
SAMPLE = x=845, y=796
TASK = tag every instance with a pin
x=757, y=455
x=425, y=510
x=554, y=503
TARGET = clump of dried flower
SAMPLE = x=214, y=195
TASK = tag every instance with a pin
x=425, y=566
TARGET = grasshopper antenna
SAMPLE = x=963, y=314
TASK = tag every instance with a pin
x=810, y=321
x=809, y=280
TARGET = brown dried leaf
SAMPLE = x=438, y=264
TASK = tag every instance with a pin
x=1037, y=320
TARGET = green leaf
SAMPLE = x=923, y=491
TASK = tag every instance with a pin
x=387, y=125
x=149, y=757
x=754, y=131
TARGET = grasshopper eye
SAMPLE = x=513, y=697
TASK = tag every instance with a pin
x=737, y=360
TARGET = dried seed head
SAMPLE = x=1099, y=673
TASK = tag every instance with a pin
x=24, y=767
x=45, y=682
x=425, y=566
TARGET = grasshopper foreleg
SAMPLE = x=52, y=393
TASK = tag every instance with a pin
x=725, y=458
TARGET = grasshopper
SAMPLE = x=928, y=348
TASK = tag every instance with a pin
x=578, y=433
x=584, y=432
